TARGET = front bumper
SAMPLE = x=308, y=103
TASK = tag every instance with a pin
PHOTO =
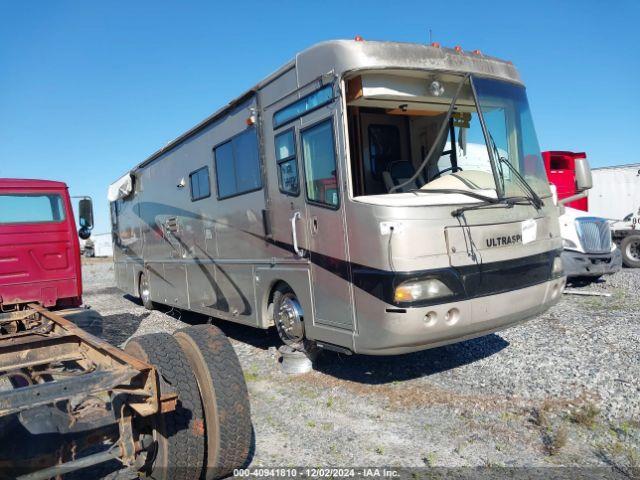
x=408, y=330
x=577, y=264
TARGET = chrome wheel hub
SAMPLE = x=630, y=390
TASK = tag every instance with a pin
x=144, y=290
x=289, y=317
x=633, y=250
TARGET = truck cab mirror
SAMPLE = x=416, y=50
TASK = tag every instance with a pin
x=583, y=175
x=84, y=233
x=85, y=215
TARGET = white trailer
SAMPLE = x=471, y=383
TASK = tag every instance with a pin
x=102, y=244
x=616, y=196
x=616, y=191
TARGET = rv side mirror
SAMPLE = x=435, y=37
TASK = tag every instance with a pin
x=85, y=209
x=583, y=175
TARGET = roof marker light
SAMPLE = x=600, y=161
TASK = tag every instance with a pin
x=252, y=118
x=435, y=44
x=358, y=38
x=458, y=48
x=477, y=52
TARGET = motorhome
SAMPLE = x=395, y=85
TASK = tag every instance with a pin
x=367, y=197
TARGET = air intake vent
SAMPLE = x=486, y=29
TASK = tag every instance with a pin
x=594, y=234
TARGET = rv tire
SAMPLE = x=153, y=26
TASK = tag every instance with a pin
x=285, y=296
x=179, y=447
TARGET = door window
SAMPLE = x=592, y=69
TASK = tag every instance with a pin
x=321, y=177
x=287, y=164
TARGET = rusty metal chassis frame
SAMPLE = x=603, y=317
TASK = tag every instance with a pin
x=131, y=384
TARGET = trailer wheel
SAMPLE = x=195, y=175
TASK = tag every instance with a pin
x=630, y=248
x=180, y=435
x=224, y=396
x=145, y=293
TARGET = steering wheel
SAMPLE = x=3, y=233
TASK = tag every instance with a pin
x=439, y=174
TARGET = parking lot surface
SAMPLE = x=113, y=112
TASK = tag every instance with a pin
x=562, y=389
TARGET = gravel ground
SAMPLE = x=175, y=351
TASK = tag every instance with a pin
x=562, y=389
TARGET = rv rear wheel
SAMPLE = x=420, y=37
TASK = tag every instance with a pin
x=179, y=436
x=145, y=293
x=225, y=400
x=630, y=248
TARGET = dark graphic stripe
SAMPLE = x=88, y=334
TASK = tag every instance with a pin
x=466, y=282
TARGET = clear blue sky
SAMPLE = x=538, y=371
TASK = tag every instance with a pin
x=88, y=89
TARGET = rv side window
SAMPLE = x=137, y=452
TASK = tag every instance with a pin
x=318, y=152
x=287, y=164
x=238, y=165
x=306, y=104
x=199, y=184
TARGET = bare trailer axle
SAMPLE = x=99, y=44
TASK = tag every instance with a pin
x=69, y=401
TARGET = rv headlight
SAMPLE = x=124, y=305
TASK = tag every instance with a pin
x=557, y=266
x=566, y=243
x=421, y=290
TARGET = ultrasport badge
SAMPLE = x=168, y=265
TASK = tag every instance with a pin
x=503, y=240
x=528, y=233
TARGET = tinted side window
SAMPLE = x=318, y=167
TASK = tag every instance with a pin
x=247, y=161
x=306, y=104
x=199, y=183
x=287, y=164
x=238, y=165
x=318, y=151
x=225, y=170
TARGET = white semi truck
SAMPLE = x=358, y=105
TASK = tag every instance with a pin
x=588, y=248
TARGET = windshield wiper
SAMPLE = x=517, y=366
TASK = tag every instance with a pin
x=468, y=193
x=534, y=198
x=486, y=201
x=505, y=202
x=536, y=201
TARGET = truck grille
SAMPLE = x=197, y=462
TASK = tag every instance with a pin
x=594, y=234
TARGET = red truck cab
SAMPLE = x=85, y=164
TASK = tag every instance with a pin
x=39, y=246
x=561, y=170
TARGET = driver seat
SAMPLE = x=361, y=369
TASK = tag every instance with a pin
x=397, y=173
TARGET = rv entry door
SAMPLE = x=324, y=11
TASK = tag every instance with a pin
x=330, y=272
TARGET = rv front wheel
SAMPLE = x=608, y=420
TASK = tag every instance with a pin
x=288, y=317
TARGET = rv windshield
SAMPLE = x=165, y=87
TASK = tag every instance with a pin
x=409, y=137
x=512, y=135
